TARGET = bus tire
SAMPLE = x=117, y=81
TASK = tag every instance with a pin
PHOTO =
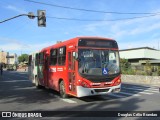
x=62, y=90
x=37, y=83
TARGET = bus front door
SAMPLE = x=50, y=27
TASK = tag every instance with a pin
x=71, y=72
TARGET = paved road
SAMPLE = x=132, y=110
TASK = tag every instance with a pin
x=18, y=94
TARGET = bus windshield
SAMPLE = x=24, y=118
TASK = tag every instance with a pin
x=98, y=62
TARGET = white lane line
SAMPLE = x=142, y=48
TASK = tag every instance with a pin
x=146, y=93
x=11, y=80
x=129, y=94
x=69, y=101
x=115, y=95
x=139, y=91
x=156, y=89
x=25, y=88
x=134, y=89
x=143, y=90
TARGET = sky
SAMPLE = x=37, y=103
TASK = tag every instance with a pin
x=23, y=36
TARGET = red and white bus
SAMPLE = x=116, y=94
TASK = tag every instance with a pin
x=82, y=66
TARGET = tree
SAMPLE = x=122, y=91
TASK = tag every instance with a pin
x=23, y=58
x=126, y=67
x=148, y=68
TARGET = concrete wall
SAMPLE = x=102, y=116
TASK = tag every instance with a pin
x=140, y=79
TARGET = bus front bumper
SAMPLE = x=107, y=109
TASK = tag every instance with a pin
x=81, y=91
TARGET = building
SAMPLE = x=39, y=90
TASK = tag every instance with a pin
x=3, y=58
x=7, y=58
x=139, y=56
x=12, y=59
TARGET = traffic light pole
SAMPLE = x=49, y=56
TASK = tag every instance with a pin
x=41, y=17
x=13, y=17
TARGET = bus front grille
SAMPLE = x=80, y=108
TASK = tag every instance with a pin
x=101, y=90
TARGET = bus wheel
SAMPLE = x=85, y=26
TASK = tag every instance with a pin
x=62, y=90
x=37, y=83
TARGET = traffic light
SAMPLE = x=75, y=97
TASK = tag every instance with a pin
x=41, y=18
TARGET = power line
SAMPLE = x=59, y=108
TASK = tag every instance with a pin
x=121, y=19
x=87, y=10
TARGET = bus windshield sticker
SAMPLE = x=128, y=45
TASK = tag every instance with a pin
x=104, y=71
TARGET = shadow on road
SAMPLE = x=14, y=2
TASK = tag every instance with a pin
x=22, y=91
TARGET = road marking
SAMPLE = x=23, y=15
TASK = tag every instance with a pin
x=69, y=101
x=25, y=88
x=129, y=94
x=145, y=88
x=142, y=90
x=154, y=91
x=139, y=89
x=146, y=93
x=10, y=80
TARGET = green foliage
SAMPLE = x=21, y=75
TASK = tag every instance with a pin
x=126, y=67
x=147, y=69
x=23, y=58
x=158, y=71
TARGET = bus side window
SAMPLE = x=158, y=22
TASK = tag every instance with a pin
x=62, y=56
x=53, y=57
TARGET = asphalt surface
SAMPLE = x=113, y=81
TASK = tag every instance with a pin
x=18, y=94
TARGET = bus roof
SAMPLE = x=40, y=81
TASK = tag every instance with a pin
x=75, y=39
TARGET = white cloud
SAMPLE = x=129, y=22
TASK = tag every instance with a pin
x=12, y=47
x=125, y=31
x=39, y=46
x=16, y=9
x=9, y=44
x=154, y=43
x=133, y=26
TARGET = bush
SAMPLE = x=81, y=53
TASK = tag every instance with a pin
x=147, y=69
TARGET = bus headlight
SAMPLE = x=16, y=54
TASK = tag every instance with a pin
x=83, y=84
x=117, y=82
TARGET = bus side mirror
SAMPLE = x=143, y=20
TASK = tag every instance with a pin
x=75, y=55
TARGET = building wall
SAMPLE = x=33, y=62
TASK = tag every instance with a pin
x=132, y=54
x=153, y=54
x=13, y=60
x=3, y=58
x=140, y=53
